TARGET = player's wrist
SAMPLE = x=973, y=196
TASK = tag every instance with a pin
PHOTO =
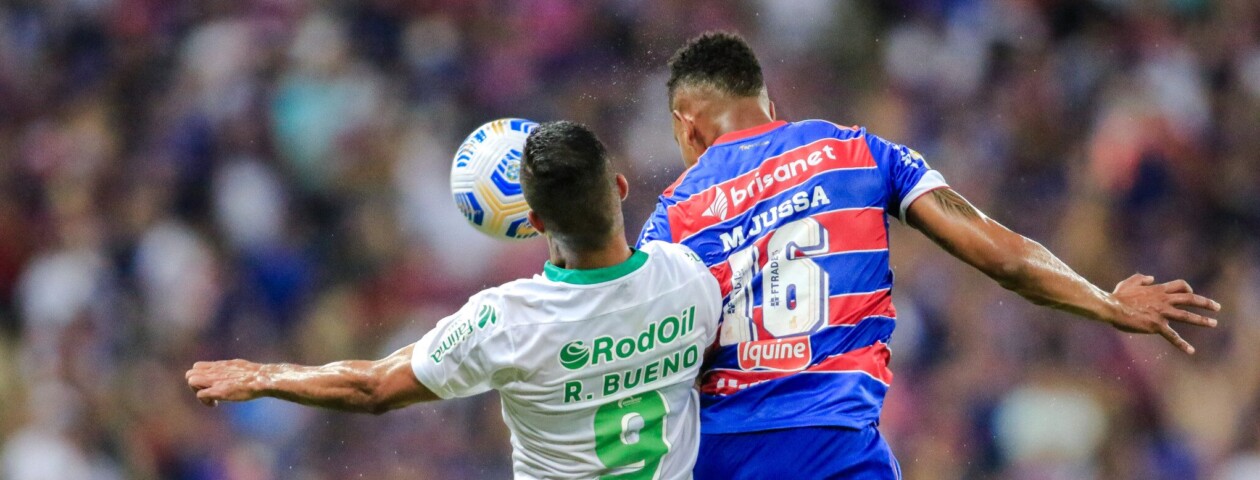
x=264, y=381
x=1110, y=310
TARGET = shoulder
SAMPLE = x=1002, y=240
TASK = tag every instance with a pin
x=676, y=256
x=512, y=303
x=829, y=128
x=669, y=250
x=519, y=293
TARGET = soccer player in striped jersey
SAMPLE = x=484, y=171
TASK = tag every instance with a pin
x=791, y=218
x=595, y=359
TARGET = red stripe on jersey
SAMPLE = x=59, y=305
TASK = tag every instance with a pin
x=851, y=309
x=722, y=272
x=854, y=230
x=872, y=360
x=775, y=175
x=760, y=324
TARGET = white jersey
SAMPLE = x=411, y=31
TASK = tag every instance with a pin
x=596, y=368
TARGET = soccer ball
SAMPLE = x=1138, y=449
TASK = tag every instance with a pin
x=486, y=179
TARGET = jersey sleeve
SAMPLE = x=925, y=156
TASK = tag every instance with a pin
x=461, y=354
x=656, y=227
x=908, y=174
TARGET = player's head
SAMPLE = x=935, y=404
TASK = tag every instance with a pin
x=573, y=193
x=709, y=77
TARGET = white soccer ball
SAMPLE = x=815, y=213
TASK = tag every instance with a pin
x=486, y=179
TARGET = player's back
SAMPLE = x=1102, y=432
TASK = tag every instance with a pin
x=791, y=218
x=596, y=368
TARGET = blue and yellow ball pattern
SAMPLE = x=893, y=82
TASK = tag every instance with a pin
x=485, y=179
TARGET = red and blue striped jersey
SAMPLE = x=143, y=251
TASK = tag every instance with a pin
x=792, y=220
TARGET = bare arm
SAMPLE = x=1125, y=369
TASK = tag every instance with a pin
x=352, y=385
x=1025, y=267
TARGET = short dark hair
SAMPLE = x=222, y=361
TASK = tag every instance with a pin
x=567, y=181
x=719, y=60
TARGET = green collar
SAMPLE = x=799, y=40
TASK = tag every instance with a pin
x=595, y=275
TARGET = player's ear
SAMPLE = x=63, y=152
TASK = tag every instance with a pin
x=536, y=221
x=685, y=127
x=690, y=135
x=623, y=186
x=773, y=114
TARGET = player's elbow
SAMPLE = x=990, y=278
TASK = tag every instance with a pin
x=367, y=395
x=383, y=389
x=374, y=402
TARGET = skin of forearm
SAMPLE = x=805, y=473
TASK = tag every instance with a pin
x=1037, y=275
x=1029, y=269
x=351, y=385
x=1015, y=262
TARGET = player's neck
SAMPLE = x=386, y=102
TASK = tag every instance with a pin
x=614, y=253
x=739, y=115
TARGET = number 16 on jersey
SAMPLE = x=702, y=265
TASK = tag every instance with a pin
x=794, y=289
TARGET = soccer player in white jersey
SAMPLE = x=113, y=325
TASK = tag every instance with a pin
x=595, y=359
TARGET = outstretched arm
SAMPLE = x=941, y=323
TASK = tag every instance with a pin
x=353, y=385
x=1137, y=305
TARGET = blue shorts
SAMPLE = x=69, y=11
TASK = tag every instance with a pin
x=803, y=453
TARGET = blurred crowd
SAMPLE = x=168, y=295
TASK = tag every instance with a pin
x=267, y=179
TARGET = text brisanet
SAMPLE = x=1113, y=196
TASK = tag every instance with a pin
x=578, y=355
x=783, y=172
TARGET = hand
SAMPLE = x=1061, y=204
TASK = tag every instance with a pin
x=228, y=380
x=1148, y=308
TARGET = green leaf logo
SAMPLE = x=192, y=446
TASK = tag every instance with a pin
x=574, y=355
x=487, y=315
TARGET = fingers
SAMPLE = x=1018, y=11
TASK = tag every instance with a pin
x=1178, y=286
x=1136, y=279
x=209, y=397
x=1174, y=338
x=1192, y=300
x=204, y=379
x=1190, y=318
x=198, y=381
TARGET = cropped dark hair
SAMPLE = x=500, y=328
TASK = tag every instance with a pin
x=567, y=180
x=719, y=60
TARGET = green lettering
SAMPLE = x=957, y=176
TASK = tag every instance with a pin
x=669, y=365
x=672, y=324
x=611, y=384
x=691, y=356
x=633, y=378
x=625, y=348
x=603, y=348
x=647, y=339
x=649, y=373
x=572, y=391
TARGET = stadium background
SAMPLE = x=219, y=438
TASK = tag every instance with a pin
x=267, y=179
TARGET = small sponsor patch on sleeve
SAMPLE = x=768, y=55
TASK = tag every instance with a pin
x=462, y=329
